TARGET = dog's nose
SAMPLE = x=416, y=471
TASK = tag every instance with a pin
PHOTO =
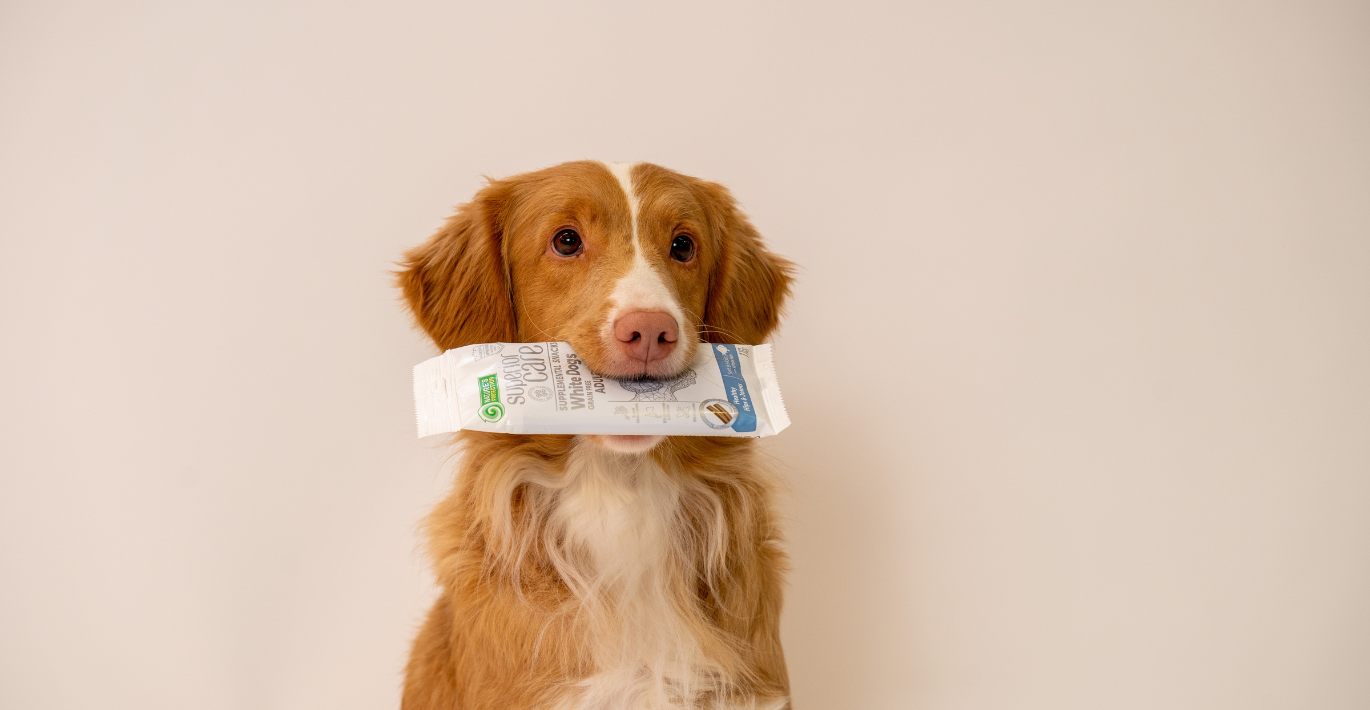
x=647, y=336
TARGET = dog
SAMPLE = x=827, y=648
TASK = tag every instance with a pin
x=604, y=572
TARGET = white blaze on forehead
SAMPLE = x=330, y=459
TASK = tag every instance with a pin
x=642, y=288
x=623, y=172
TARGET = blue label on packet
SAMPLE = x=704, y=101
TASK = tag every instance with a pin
x=731, y=369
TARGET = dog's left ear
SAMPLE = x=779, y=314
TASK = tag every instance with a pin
x=748, y=288
x=455, y=283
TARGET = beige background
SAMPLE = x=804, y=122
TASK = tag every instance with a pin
x=1079, y=360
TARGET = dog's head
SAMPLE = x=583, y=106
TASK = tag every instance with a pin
x=634, y=265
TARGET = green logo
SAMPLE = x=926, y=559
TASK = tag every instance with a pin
x=490, y=408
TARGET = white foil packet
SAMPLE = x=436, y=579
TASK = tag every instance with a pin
x=544, y=388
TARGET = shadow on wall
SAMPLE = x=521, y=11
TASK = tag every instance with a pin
x=847, y=628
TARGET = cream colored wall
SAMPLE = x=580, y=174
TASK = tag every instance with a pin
x=1079, y=361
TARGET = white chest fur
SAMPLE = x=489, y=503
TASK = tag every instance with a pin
x=620, y=516
x=625, y=554
x=632, y=542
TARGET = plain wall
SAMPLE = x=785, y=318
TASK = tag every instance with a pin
x=1078, y=360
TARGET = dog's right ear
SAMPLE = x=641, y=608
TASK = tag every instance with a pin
x=455, y=284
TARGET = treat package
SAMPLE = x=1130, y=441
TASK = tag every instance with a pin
x=544, y=388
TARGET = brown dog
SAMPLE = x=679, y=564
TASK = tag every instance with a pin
x=601, y=571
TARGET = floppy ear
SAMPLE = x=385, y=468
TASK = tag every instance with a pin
x=749, y=285
x=455, y=283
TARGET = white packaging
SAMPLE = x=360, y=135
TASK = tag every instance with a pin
x=544, y=388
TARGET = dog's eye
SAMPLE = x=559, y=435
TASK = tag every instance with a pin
x=567, y=242
x=682, y=248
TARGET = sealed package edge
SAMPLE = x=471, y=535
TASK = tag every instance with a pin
x=544, y=388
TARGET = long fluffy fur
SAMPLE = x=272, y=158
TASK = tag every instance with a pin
x=560, y=530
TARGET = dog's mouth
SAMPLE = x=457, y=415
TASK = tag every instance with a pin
x=639, y=377
x=640, y=372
